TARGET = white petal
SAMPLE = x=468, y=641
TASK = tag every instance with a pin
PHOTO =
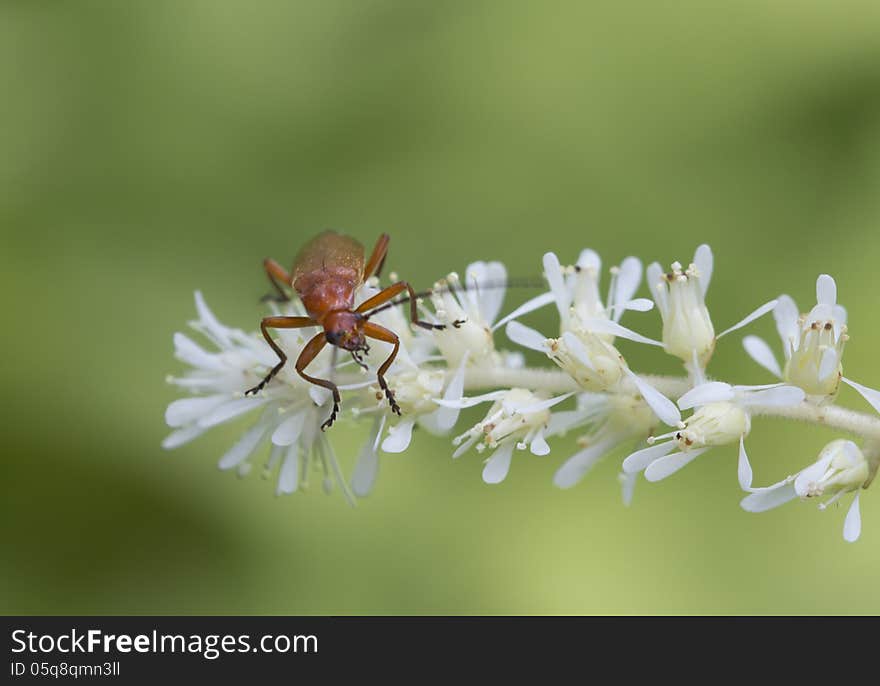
x=526, y=337
x=704, y=262
x=245, y=446
x=535, y=303
x=662, y=406
x=637, y=305
x=577, y=348
x=367, y=466
x=181, y=436
x=498, y=466
x=709, y=392
x=786, y=315
x=629, y=276
x=829, y=364
x=760, y=312
x=230, y=410
x=553, y=272
x=826, y=290
x=781, y=396
x=763, y=499
x=187, y=350
x=532, y=407
x=744, y=468
x=490, y=289
x=852, y=526
x=666, y=466
x=539, y=445
x=812, y=474
x=654, y=276
x=289, y=431
x=288, y=477
x=471, y=402
x=210, y=322
x=608, y=326
x=628, y=486
x=399, y=437
x=839, y=315
x=446, y=417
x=761, y=353
x=576, y=467
x=640, y=459
x=868, y=394
x=187, y=410
x=589, y=259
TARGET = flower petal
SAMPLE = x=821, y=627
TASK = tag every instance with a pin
x=446, y=416
x=487, y=283
x=640, y=459
x=629, y=275
x=709, y=392
x=244, y=447
x=596, y=325
x=182, y=436
x=498, y=466
x=786, y=315
x=539, y=445
x=553, y=272
x=526, y=337
x=399, y=436
x=288, y=476
x=744, y=468
x=781, y=396
x=578, y=349
x=761, y=353
x=576, y=467
x=812, y=474
x=187, y=410
x=852, y=525
x=763, y=499
x=748, y=319
x=367, y=467
x=704, y=262
x=472, y=401
x=666, y=466
x=662, y=406
x=868, y=394
x=289, y=431
x=654, y=277
x=826, y=290
x=628, y=486
x=829, y=364
x=535, y=303
x=230, y=410
x=188, y=351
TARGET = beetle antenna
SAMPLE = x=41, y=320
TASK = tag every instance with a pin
x=526, y=282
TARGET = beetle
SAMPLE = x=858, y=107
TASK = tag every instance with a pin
x=326, y=274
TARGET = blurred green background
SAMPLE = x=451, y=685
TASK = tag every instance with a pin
x=148, y=149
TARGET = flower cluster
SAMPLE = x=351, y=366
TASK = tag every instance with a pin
x=663, y=423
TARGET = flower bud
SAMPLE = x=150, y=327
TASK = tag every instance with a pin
x=713, y=425
x=841, y=467
x=687, y=326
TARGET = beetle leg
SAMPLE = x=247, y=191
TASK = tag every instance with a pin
x=309, y=353
x=380, y=333
x=278, y=323
x=389, y=293
x=377, y=259
x=276, y=273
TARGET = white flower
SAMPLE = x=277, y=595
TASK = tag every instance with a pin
x=680, y=296
x=813, y=346
x=291, y=415
x=841, y=468
x=612, y=419
x=517, y=419
x=469, y=312
x=722, y=418
x=585, y=347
